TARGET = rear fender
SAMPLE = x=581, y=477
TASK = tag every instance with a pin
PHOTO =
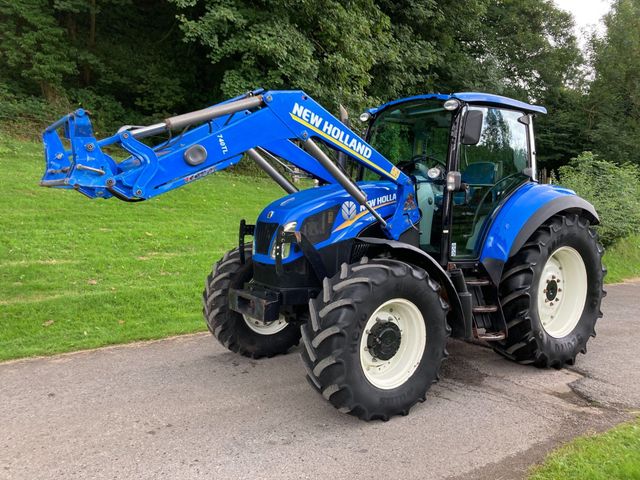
x=521, y=215
x=414, y=256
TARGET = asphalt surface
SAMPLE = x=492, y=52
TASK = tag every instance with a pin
x=187, y=408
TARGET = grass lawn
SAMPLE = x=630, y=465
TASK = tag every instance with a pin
x=78, y=273
x=614, y=455
x=623, y=260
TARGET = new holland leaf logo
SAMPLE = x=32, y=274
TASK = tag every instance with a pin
x=349, y=210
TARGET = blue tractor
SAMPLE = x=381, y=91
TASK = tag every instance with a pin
x=430, y=225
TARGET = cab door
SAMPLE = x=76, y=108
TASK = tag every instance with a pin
x=490, y=170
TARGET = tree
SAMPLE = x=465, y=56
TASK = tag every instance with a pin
x=531, y=43
x=104, y=55
x=32, y=48
x=532, y=50
x=108, y=56
x=614, y=97
x=326, y=47
x=562, y=134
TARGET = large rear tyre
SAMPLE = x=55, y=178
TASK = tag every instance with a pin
x=376, y=338
x=240, y=333
x=551, y=292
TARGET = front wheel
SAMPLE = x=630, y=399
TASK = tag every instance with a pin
x=376, y=338
x=551, y=293
x=241, y=333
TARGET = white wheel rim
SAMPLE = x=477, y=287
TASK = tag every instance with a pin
x=262, y=328
x=562, y=292
x=395, y=371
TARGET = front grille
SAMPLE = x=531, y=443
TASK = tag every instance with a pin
x=263, y=235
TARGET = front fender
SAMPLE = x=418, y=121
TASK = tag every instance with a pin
x=520, y=215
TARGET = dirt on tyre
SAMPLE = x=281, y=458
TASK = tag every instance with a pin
x=239, y=333
x=551, y=292
x=376, y=338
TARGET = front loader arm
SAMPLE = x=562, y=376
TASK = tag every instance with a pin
x=282, y=123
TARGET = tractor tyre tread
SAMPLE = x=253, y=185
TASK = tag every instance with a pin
x=527, y=342
x=325, y=341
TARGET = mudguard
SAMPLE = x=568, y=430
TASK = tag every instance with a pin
x=521, y=214
x=415, y=256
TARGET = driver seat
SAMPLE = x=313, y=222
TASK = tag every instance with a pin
x=481, y=174
x=477, y=174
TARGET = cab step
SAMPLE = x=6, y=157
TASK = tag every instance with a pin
x=478, y=282
x=485, y=309
x=491, y=336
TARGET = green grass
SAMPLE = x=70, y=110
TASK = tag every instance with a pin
x=78, y=273
x=614, y=455
x=623, y=260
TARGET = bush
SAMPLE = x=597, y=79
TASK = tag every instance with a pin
x=26, y=116
x=612, y=189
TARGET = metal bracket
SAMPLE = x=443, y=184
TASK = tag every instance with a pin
x=255, y=301
x=308, y=250
x=245, y=229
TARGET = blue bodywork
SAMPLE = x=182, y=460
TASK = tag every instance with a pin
x=350, y=219
x=513, y=214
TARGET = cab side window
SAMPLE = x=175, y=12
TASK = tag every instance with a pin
x=503, y=142
x=492, y=169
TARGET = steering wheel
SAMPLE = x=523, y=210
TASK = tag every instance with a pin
x=409, y=165
x=486, y=194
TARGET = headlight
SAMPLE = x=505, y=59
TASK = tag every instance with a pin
x=451, y=104
x=286, y=247
x=290, y=227
x=365, y=117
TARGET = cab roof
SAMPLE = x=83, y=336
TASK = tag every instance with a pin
x=468, y=97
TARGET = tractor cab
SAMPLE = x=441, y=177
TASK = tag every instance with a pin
x=465, y=152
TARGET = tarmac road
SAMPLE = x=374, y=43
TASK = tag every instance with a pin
x=187, y=408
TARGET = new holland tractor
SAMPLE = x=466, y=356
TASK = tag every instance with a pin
x=431, y=225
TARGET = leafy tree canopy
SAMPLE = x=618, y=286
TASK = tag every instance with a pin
x=130, y=61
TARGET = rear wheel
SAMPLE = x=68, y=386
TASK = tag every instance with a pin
x=551, y=293
x=376, y=338
x=241, y=333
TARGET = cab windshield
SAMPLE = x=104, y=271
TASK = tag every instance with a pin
x=413, y=136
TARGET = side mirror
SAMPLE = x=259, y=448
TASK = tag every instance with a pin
x=472, y=127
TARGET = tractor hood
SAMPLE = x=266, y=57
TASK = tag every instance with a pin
x=327, y=214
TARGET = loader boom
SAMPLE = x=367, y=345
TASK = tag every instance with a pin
x=284, y=124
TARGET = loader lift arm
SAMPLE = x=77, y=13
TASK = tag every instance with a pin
x=285, y=124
